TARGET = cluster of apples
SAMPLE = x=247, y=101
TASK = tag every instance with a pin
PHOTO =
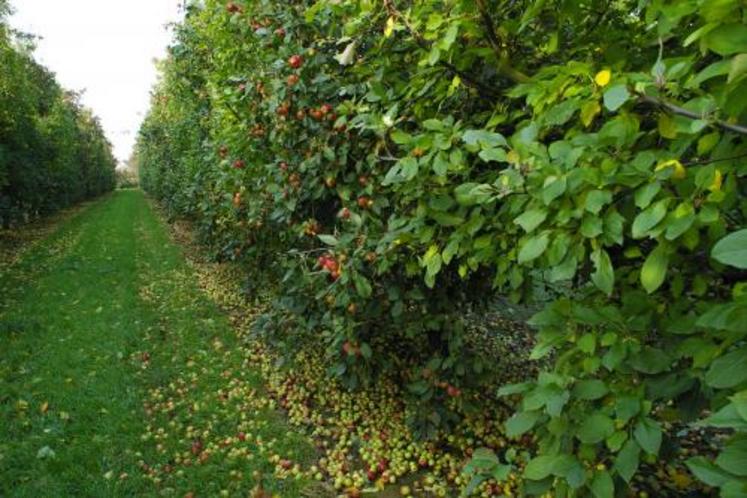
x=330, y=264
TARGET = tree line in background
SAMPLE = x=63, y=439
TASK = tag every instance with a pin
x=53, y=152
x=397, y=163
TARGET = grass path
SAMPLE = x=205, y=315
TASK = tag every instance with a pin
x=118, y=377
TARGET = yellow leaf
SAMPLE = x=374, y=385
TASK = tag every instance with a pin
x=603, y=77
x=44, y=407
x=667, y=126
x=679, y=170
x=513, y=157
x=589, y=111
x=389, y=27
x=718, y=179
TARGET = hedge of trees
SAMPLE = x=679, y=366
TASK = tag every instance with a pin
x=400, y=162
x=53, y=152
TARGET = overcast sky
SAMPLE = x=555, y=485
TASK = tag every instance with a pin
x=105, y=47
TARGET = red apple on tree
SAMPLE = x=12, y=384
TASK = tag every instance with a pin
x=295, y=61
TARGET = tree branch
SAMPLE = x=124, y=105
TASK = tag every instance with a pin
x=681, y=111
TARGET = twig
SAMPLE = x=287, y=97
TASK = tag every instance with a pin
x=709, y=161
x=681, y=111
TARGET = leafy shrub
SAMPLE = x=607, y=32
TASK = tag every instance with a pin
x=402, y=161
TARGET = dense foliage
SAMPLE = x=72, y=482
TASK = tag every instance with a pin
x=53, y=152
x=403, y=161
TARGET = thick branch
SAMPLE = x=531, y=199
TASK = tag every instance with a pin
x=681, y=111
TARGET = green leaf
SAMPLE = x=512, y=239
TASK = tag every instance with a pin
x=627, y=461
x=497, y=155
x=329, y=240
x=533, y=248
x=469, y=194
x=521, y=422
x=531, y=219
x=602, y=486
x=648, y=434
x=596, y=200
x=649, y=218
x=604, y=274
x=590, y=389
x=595, y=429
x=732, y=250
x=681, y=220
x=654, y=269
x=484, y=138
x=651, y=361
x=707, y=472
x=362, y=286
x=729, y=370
x=553, y=188
x=733, y=458
x=543, y=466
x=616, y=96
x=409, y=167
x=738, y=68
x=727, y=39
x=740, y=404
x=726, y=418
x=645, y=194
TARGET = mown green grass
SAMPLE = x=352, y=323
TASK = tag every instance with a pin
x=77, y=315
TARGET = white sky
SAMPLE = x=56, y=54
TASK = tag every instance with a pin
x=105, y=47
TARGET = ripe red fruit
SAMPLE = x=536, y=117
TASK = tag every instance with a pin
x=365, y=203
x=293, y=79
x=286, y=464
x=295, y=61
x=452, y=391
x=317, y=114
x=345, y=214
x=371, y=474
x=280, y=32
x=348, y=348
x=382, y=465
x=326, y=109
x=283, y=110
x=239, y=164
x=196, y=447
x=241, y=436
x=331, y=265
